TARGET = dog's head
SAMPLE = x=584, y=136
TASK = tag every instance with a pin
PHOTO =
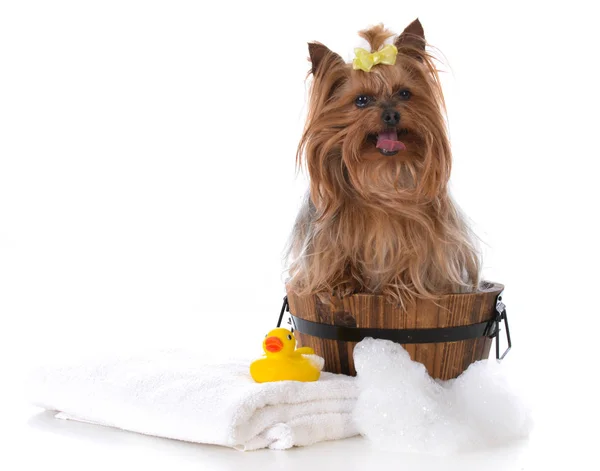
x=379, y=135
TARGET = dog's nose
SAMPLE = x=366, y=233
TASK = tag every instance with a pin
x=390, y=117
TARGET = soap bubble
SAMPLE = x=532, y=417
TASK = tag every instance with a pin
x=401, y=408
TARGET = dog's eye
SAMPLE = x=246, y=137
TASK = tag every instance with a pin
x=404, y=94
x=362, y=101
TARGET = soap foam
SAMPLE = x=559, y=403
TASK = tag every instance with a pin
x=402, y=408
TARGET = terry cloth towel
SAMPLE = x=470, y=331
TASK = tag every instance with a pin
x=176, y=394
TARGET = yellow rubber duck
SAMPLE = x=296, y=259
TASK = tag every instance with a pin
x=284, y=362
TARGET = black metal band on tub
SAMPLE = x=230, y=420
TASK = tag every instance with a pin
x=406, y=336
x=490, y=329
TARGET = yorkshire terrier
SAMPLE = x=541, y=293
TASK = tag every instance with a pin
x=378, y=217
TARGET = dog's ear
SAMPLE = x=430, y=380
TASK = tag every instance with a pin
x=412, y=37
x=322, y=57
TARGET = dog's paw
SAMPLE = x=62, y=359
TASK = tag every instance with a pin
x=343, y=290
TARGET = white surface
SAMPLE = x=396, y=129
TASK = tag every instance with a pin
x=130, y=211
x=71, y=445
x=37, y=439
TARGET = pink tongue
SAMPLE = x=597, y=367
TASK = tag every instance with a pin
x=388, y=140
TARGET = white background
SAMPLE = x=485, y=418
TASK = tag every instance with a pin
x=147, y=189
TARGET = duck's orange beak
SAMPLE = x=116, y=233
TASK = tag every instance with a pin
x=273, y=344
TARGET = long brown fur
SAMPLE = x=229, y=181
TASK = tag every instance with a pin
x=373, y=223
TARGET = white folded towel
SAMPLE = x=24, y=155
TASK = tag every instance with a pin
x=176, y=394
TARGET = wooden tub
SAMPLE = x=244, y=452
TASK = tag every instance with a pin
x=443, y=360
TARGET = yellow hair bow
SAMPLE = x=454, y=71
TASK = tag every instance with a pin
x=365, y=60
